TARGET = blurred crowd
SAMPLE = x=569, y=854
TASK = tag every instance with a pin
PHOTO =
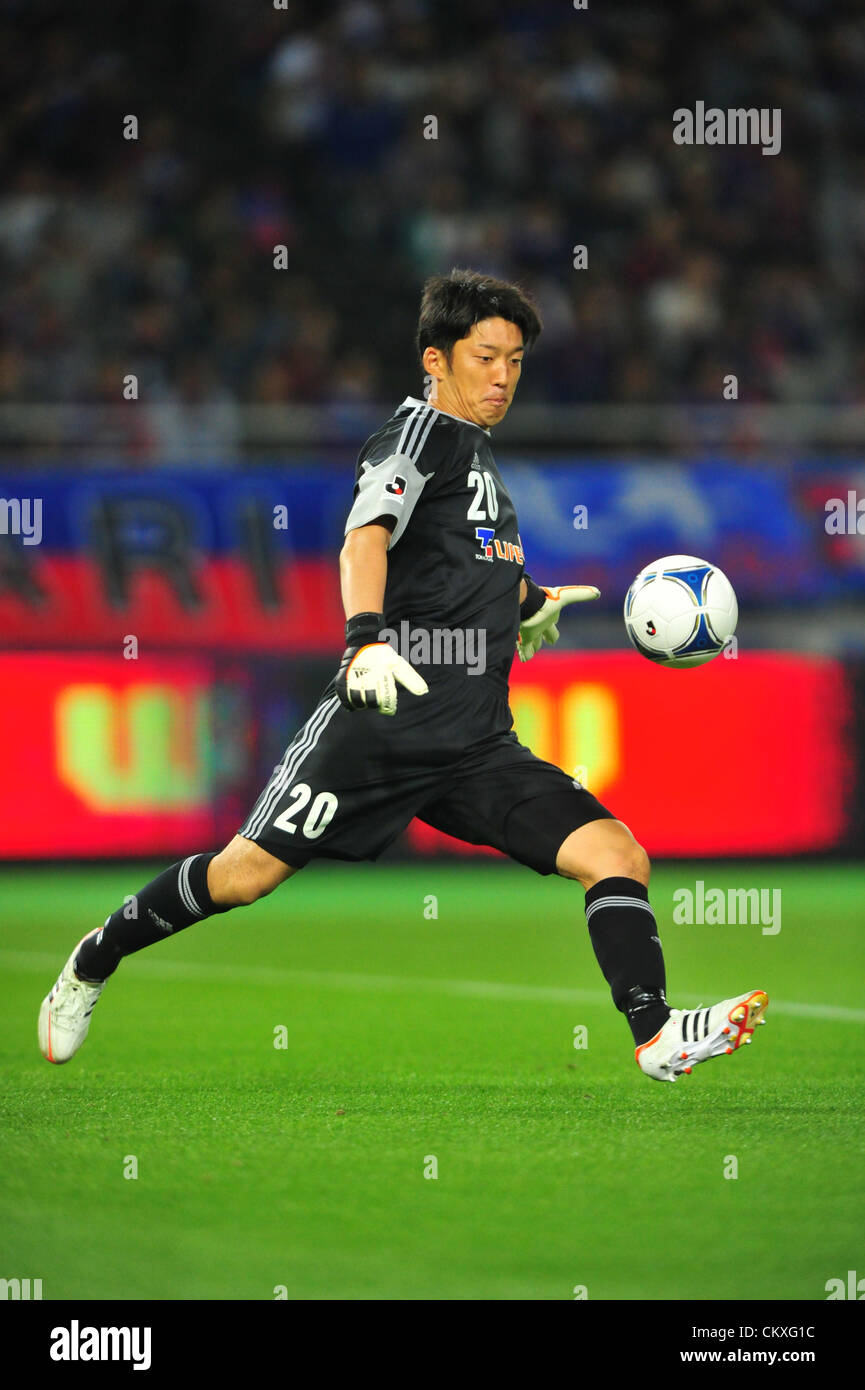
x=303, y=125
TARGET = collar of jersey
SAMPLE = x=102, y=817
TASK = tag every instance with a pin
x=412, y=400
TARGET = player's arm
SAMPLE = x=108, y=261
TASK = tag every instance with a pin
x=540, y=609
x=370, y=669
x=363, y=567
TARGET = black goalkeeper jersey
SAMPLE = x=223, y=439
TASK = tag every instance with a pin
x=454, y=560
x=350, y=781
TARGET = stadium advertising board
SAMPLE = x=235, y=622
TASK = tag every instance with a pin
x=246, y=561
x=102, y=758
x=743, y=756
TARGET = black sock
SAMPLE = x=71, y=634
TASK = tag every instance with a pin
x=174, y=900
x=625, y=939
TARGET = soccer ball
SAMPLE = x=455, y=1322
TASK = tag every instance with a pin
x=680, y=611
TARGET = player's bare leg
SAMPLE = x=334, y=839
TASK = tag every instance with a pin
x=603, y=849
x=195, y=888
x=244, y=872
x=614, y=869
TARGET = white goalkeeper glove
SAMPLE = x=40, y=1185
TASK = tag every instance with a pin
x=540, y=610
x=370, y=670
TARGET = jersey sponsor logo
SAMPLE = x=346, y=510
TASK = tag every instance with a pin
x=396, y=487
x=492, y=548
x=508, y=550
x=484, y=537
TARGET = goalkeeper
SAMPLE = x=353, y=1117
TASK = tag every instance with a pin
x=433, y=550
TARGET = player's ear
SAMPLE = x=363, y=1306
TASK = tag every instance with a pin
x=434, y=362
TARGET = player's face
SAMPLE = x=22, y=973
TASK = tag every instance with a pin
x=484, y=371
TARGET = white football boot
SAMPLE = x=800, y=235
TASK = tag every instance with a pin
x=690, y=1036
x=64, y=1017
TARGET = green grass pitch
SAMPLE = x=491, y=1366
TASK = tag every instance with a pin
x=412, y=1038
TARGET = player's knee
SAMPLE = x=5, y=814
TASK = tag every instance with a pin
x=603, y=849
x=637, y=864
x=242, y=874
x=244, y=891
x=625, y=860
x=245, y=888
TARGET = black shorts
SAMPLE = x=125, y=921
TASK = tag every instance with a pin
x=350, y=781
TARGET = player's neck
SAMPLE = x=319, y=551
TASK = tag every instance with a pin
x=451, y=408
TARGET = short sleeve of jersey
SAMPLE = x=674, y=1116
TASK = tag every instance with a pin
x=398, y=466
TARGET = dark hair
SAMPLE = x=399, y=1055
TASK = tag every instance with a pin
x=452, y=304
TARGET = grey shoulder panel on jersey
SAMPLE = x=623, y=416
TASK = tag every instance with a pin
x=389, y=488
x=392, y=486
